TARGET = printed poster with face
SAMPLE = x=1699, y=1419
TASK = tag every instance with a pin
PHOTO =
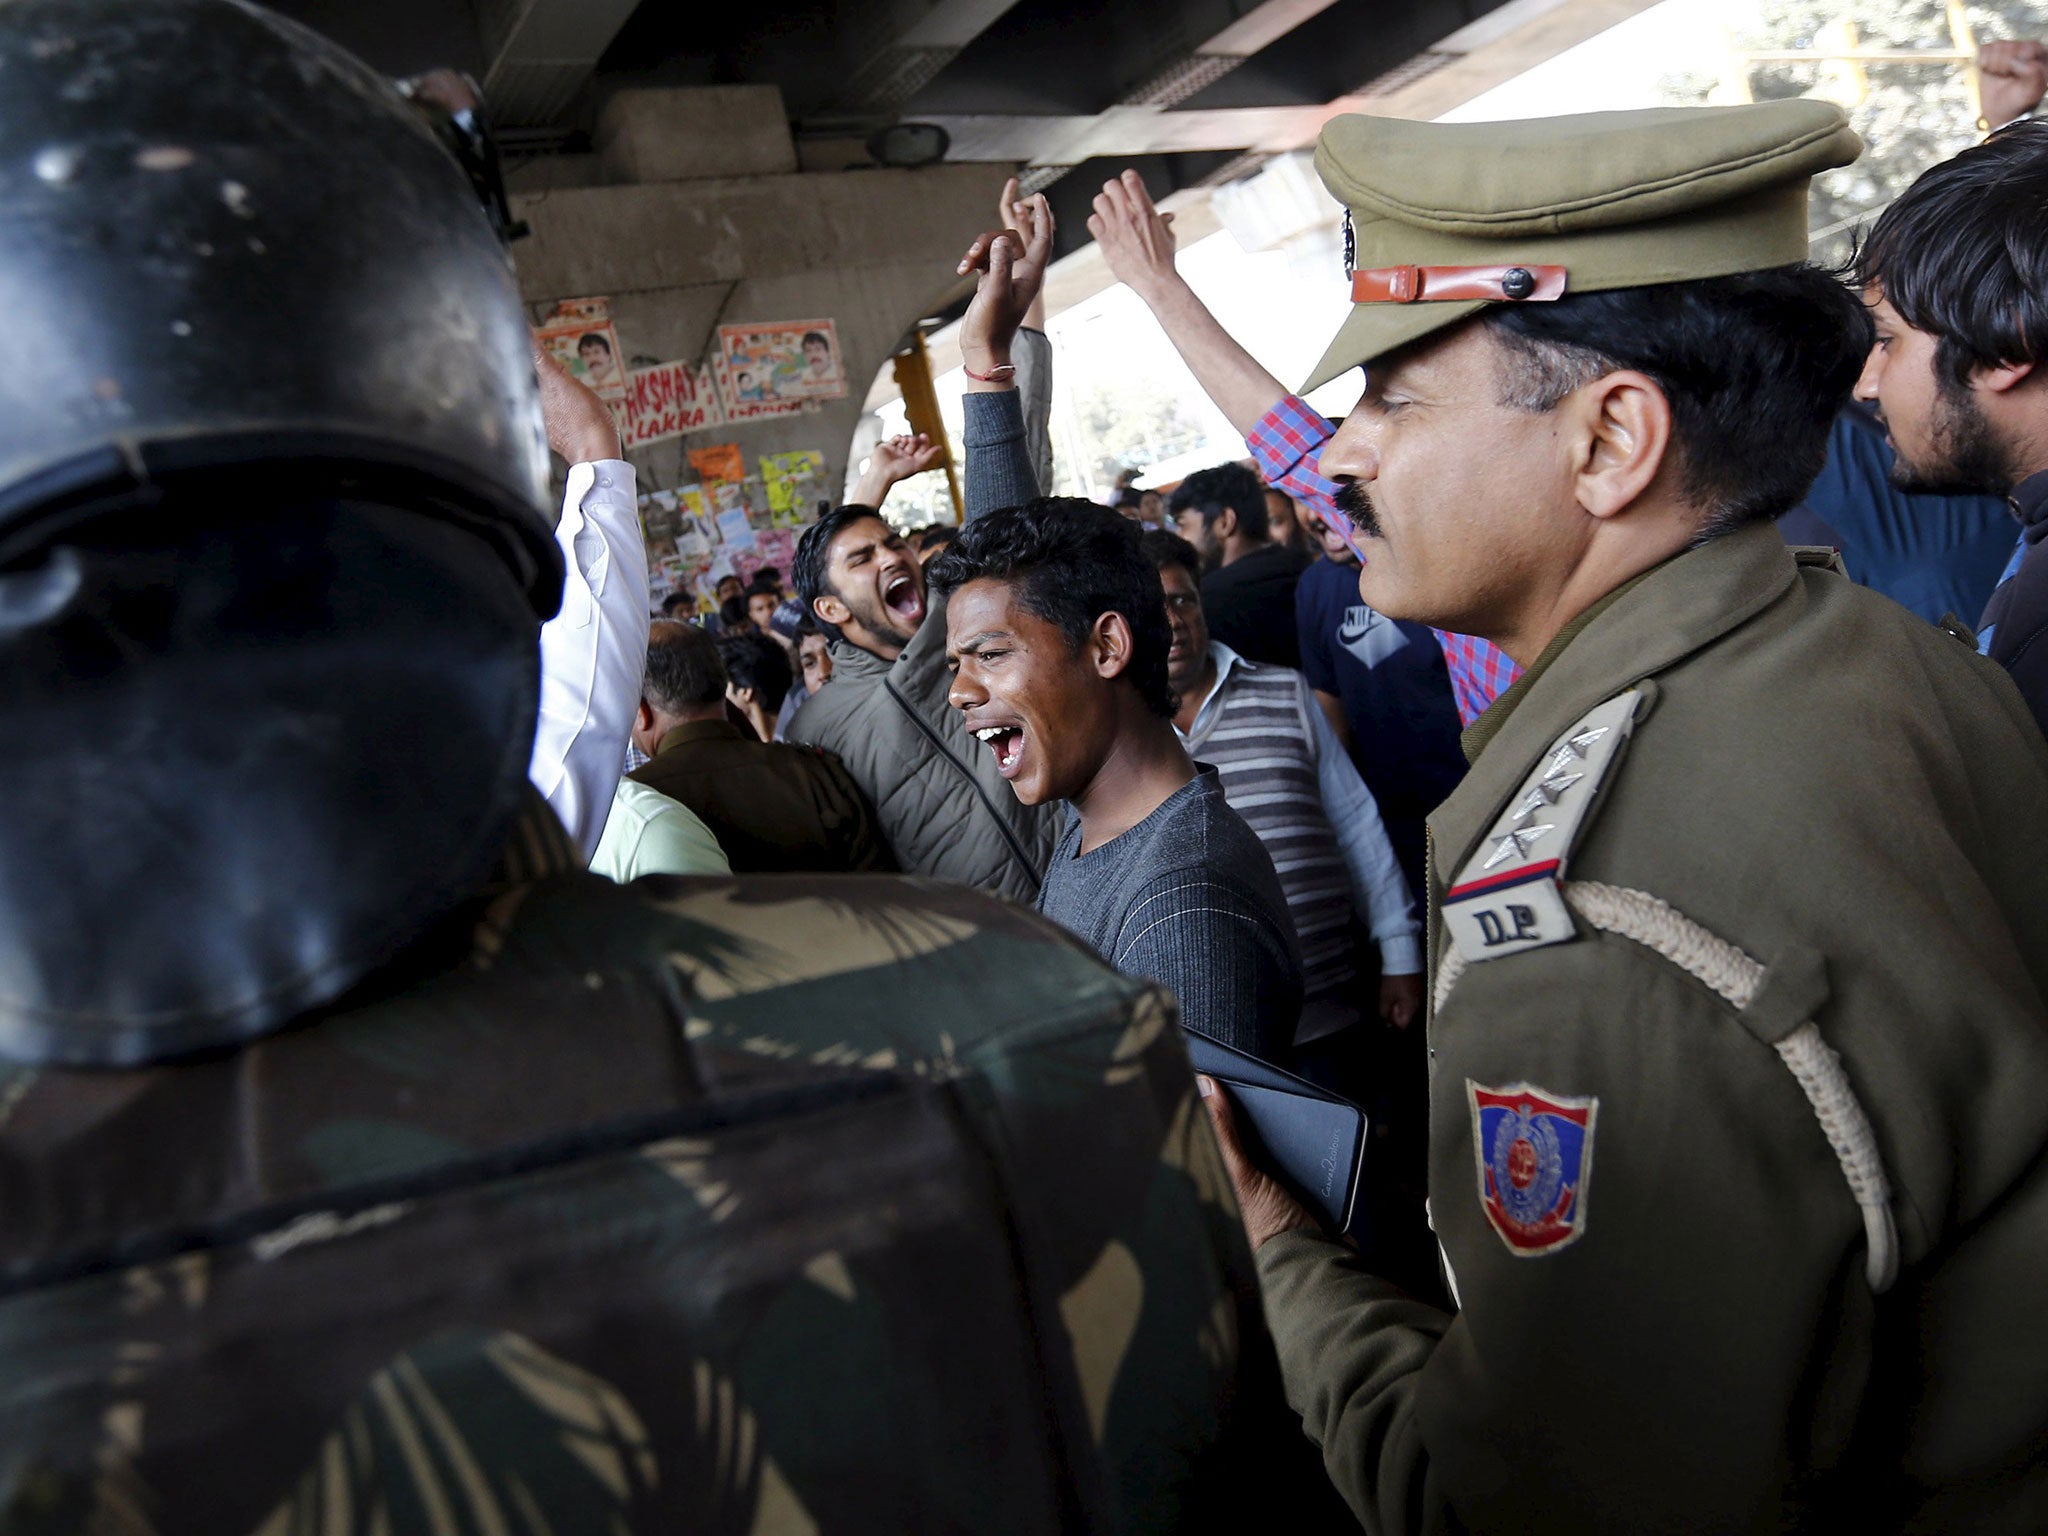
x=668, y=400
x=737, y=409
x=579, y=336
x=781, y=361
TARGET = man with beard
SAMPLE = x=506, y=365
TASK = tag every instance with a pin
x=1247, y=578
x=944, y=808
x=1738, y=1148
x=1956, y=276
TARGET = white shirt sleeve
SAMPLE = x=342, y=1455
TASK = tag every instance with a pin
x=593, y=652
x=1378, y=887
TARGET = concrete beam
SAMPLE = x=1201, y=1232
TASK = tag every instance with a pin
x=1487, y=53
x=1262, y=24
x=698, y=133
x=542, y=53
x=623, y=239
x=900, y=44
x=1123, y=131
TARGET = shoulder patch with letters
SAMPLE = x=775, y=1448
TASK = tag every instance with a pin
x=1535, y=1155
x=1506, y=898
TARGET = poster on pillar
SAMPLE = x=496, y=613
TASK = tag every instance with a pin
x=739, y=409
x=776, y=547
x=782, y=361
x=795, y=483
x=668, y=400
x=579, y=335
x=719, y=463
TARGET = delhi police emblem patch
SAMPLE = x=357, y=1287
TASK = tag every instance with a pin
x=1535, y=1155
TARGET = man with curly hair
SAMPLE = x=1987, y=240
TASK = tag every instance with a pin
x=1056, y=632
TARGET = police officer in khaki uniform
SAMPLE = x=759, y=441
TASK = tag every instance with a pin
x=1739, y=925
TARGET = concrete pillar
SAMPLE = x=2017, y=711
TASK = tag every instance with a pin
x=693, y=214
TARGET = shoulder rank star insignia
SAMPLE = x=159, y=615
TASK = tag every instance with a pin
x=1515, y=842
x=1573, y=749
x=1506, y=897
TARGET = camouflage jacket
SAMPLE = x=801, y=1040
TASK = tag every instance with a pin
x=772, y=1204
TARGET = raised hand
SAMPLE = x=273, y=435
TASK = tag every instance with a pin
x=1136, y=238
x=894, y=459
x=1011, y=263
x=2011, y=79
x=580, y=425
x=898, y=458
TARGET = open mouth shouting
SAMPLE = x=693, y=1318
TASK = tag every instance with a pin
x=904, y=599
x=1007, y=742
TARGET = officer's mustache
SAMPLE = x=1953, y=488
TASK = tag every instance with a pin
x=1354, y=503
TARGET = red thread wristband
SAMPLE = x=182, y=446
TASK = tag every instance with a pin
x=1002, y=373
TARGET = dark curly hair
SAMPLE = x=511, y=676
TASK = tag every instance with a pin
x=1209, y=491
x=1962, y=254
x=1164, y=549
x=754, y=661
x=808, y=572
x=1071, y=561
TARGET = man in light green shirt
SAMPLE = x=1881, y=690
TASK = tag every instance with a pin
x=648, y=833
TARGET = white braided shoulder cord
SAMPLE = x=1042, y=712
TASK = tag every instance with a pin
x=1735, y=976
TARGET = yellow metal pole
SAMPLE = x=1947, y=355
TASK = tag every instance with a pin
x=1966, y=42
x=921, y=405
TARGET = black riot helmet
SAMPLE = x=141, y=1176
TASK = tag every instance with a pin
x=273, y=549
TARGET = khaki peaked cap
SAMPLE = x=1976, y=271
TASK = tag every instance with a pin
x=1618, y=199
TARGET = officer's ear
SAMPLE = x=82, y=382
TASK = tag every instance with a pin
x=1621, y=426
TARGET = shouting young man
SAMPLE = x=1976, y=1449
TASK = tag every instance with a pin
x=943, y=807
x=1056, y=630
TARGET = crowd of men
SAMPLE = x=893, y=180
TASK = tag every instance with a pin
x=1499, y=759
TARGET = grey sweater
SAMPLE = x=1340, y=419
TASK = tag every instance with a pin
x=1188, y=898
x=944, y=809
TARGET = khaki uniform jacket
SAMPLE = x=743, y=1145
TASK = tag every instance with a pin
x=1860, y=805
x=944, y=809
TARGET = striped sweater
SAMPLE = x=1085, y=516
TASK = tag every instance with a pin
x=1258, y=736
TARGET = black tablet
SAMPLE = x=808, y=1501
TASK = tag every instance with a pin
x=1311, y=1138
